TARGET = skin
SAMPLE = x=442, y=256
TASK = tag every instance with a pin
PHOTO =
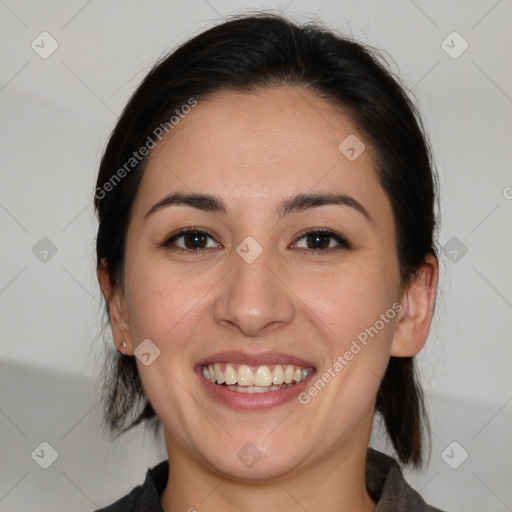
x=253, y=151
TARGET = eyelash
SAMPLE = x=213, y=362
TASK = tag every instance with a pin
x=342, y=241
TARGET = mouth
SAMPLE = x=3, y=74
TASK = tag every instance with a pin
x=243, y=378
x=254, y=382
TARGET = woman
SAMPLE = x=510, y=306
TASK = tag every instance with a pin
x=266, y=252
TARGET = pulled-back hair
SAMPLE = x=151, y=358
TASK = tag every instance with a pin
x=250, y=53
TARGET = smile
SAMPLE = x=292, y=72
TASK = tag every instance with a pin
x=253, y=381
x=244, y=378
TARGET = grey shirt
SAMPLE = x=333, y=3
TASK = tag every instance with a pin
x=384, y=480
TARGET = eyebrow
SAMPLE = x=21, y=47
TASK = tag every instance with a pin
x=297, y=203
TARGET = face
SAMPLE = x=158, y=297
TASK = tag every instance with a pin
x=265, y=281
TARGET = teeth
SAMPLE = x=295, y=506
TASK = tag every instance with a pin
x=245, y=376
x=257, y=389
x=261, y=377
x=230, y=375
x=219, y=375
x=288, y=374
x=278, y=375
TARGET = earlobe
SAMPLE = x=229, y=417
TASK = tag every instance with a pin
x=117, y=311
x=418, y=298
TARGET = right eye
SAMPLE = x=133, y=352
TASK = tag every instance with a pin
x=189, y=240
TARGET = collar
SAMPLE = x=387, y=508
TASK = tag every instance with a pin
x=384, y=480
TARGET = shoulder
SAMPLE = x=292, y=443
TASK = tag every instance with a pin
x=145, y=497
x=388, y=487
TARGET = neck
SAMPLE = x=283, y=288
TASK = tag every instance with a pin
x=336, y=484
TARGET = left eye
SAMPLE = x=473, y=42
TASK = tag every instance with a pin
x=320, y=241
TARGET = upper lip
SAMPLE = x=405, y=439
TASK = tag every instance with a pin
x=255, y=359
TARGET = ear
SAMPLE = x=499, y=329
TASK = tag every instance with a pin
x=117, y=311
x=417, y=302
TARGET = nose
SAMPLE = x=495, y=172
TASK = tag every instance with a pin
x=254, y=297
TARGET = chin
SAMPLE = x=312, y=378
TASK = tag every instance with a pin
x=256, y=461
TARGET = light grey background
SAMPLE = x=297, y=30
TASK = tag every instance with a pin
x=56, y=115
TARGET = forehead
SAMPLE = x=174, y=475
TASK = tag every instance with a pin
x=261, y=146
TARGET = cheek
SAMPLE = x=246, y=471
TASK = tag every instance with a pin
x=348, y=301
x=165, y=306
x=355, y=311
x=162, y=302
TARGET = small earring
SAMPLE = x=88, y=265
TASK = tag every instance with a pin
x=123, y=344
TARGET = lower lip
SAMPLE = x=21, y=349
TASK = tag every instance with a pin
x=252, y=401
